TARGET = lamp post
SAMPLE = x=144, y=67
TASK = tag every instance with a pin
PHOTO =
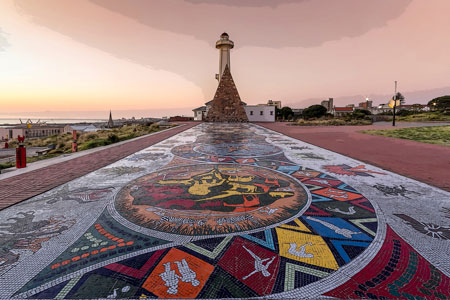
x=395, y=104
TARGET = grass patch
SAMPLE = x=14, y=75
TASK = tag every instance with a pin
x=439, y=135
x=425, y=117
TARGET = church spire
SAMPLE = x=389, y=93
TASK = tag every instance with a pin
x=110, y=121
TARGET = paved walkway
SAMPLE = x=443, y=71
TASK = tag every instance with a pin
x=24, y=186
x=227, y=211
x=424, y=162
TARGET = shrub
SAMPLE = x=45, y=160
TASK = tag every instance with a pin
x=363, y=111
x=405, y=113
x=91, y=136
x=113, y=138
x=93, y=144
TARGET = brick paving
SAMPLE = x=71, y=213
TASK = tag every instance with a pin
x=424, y=162
x=24, y=186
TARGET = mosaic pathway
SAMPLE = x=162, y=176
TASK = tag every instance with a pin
x=230, y=211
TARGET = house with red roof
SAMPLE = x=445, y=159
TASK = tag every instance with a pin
x=341, y=111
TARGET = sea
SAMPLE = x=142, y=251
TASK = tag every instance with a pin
x=15, y=121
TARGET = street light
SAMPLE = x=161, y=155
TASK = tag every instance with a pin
x=395, y=104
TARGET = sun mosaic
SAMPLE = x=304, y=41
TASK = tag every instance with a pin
x=211, y=199
x=230, y=216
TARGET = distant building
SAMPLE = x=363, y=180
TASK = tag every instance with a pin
x=81, y=128
x=405, y=107
x=413, y=107
x=328, y=104
x=260, y=113
x=277, y=104
x=350, y=105
x=199, y=113
x=367, y=105
x=341, y=111
x=35, y=131
x=298, y=112
x=383, y=108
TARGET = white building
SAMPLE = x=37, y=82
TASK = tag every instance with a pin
x=260, y=113
x=199, y=113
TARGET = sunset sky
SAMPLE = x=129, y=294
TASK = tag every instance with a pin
x=81, y=58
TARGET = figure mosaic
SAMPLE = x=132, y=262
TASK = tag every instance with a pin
x=430, y=229
x=398, y=190
x=341, y=231
x=25, y=233
x=299, y=251
x=350, y=171
x=261, y=265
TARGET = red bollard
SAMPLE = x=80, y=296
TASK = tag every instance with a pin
x=21, y=157
x=74, y=142
x=21, y=154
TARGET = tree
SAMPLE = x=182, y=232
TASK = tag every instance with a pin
x=314, y=111
x=441, y=103
x=284, y=113
x=400, y=97
x=287, y=112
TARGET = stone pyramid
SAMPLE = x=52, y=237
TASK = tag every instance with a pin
x=226, y=105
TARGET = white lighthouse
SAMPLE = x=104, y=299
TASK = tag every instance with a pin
x=224, y=45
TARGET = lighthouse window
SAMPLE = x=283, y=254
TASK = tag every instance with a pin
x=261, y=113
x=251, y=113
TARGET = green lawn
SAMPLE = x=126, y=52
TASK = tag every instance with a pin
x=425, y=117
x=439, y=135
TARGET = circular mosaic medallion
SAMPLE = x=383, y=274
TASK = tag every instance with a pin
x=211, y=199
x=238, y=149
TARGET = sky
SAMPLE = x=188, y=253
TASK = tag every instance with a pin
x=82, y=58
